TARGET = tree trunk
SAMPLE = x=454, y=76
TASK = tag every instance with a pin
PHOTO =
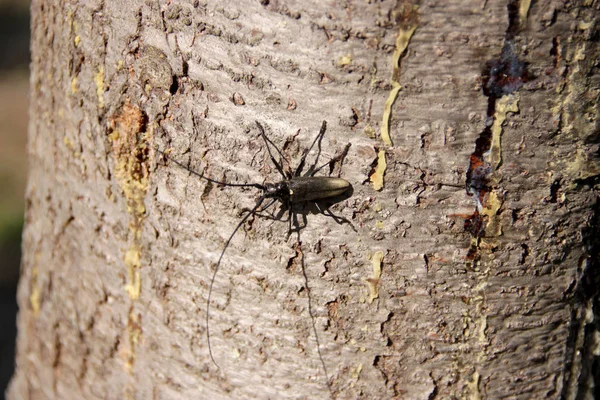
x=441, y=292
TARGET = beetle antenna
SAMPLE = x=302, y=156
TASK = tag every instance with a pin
x=198, y=174
x=212, y=281
x=281, y=156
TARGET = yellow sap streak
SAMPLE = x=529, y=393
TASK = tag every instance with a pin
x=344, y=60
x=377, y=177
x=505, y=105
x=402, y=41
x=36, y=292
x=472, y=387
x=523, y=11
x=129, y=147
x=130, y=152
x=387, y=113
x=492, y=206
x=99, y=80
x=134, y=333
x=132, y=261
x=581, y=164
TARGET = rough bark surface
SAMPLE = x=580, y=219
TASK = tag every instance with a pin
x=120, y=245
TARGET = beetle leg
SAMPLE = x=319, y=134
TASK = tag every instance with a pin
x=338, y=219
x=318, y=208
x=318, y=139
x=304, y=221
x=290, y=223
x=339, y=158
x=271, y=216
x=269, y=204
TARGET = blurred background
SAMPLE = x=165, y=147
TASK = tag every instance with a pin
x=14, y=88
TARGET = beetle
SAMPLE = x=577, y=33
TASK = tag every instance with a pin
x=294, y=189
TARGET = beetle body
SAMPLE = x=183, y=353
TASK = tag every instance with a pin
x=311, y=188
x=302, y=189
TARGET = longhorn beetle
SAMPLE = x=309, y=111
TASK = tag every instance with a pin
x=293, y=189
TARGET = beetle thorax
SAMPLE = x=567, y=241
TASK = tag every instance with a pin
x=277, y=190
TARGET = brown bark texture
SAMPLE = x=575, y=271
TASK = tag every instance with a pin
x=439, y=292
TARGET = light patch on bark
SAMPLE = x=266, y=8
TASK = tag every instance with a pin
x=373, y=282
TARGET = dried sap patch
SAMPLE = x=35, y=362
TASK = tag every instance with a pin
x=373, y=282
x=377, y=176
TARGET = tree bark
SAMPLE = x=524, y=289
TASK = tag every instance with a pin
x=441, y=292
